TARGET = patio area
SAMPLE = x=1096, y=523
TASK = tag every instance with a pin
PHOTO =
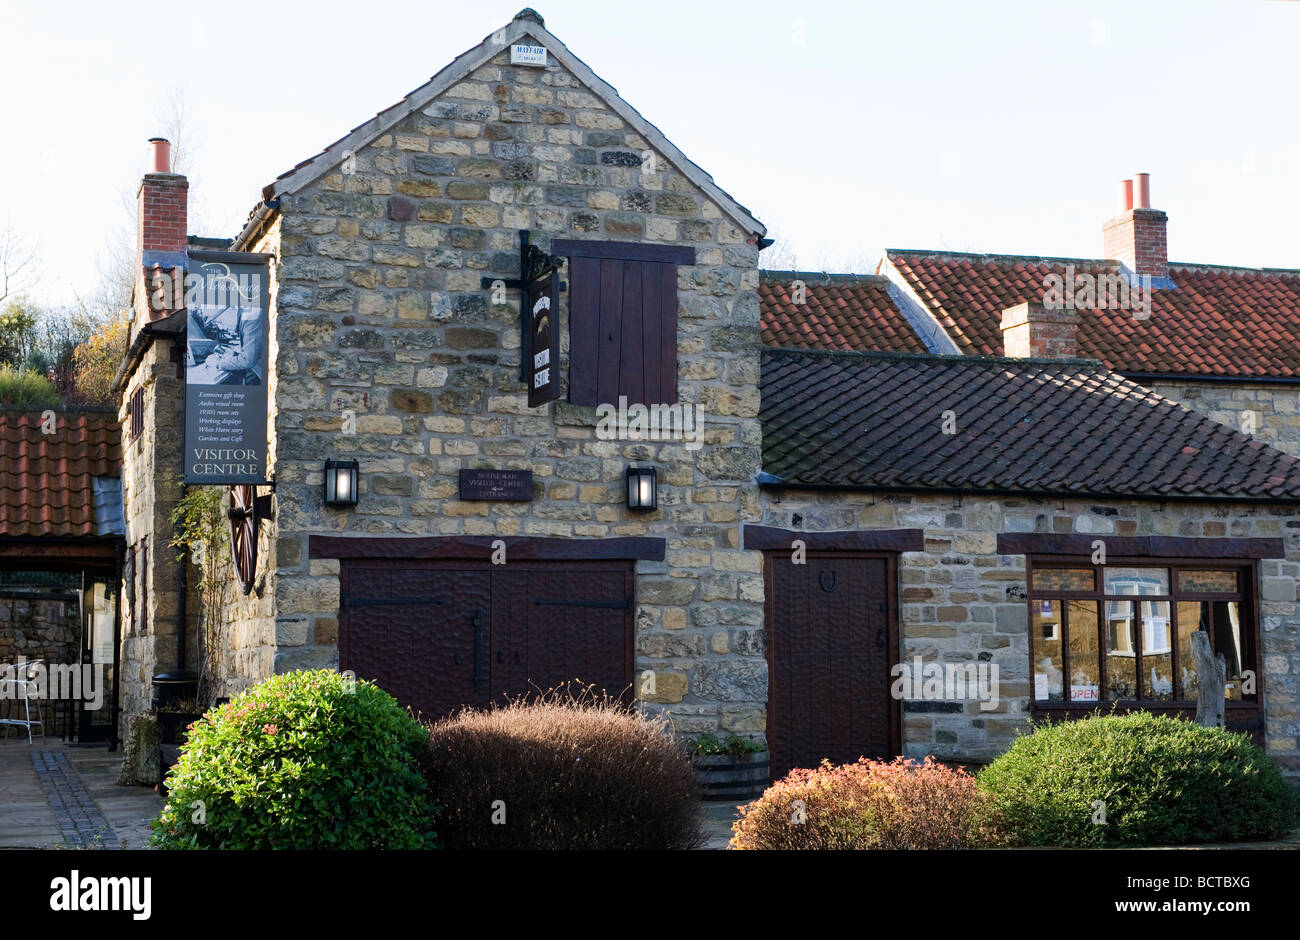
x=58, y=795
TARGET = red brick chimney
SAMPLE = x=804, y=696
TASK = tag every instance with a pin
x=1031, y=331
x=1136, y=237
x=161, y=226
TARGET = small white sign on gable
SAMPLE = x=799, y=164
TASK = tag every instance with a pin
x=524, y=54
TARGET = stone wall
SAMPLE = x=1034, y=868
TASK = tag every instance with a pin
x=1276, y=408
x=960, y=600
x=380, y=317
x=150, y=488
x=47, y=630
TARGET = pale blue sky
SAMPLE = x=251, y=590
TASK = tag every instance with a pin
x=846, y=127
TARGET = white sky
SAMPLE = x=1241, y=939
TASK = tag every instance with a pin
x=846, y=127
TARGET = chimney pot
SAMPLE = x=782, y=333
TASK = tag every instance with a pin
x=161, y=210
x=1143, y=181
x=1136, y=237
x=160, y=155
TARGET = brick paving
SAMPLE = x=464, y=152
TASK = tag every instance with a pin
x=55, y=795
x=80, y=822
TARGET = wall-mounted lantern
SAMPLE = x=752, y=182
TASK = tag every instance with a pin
x=341, y=477
x=642, y=489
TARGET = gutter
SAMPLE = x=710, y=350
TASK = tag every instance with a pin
x=767, y=481
x=1142, y=377
x=258, y=223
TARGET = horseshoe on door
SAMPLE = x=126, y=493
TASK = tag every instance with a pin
x=821, y=580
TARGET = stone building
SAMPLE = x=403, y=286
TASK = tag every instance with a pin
x=824, y=524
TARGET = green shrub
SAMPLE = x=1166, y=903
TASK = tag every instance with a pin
x=708, y=745
x=902, y=804
x=306, y=760
x=1161, y=781
x=561, y=772
x=26, y=388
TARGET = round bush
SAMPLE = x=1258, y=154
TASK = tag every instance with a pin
x=1158, y=780
x=902, y=804
x=561, y=772
x=306, y=760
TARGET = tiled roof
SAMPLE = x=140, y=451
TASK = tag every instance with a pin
x=47, y=480
x=844, y=311
x=1213, y=321
x=1062, y=427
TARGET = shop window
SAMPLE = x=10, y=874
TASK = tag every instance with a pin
x=1122, y=633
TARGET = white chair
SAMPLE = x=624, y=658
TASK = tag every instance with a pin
x=19, y=685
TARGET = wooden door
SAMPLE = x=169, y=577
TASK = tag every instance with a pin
x=831, y=643
x=438, y=637
x=423, y=635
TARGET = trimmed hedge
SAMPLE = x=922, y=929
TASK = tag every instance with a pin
x=562, y=772
x=306, y=760
x=901, y=804
x=1162, y=781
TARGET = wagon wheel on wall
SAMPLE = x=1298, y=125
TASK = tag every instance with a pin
x=244, y=516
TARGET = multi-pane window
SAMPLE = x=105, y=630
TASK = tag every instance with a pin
x=1123, y=633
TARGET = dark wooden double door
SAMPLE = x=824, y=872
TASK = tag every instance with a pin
x=442, y=635
x=831, y=642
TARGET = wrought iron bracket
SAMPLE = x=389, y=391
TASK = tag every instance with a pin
x=534, y=264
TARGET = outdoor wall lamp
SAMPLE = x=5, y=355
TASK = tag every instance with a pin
x=341, y=482
x=642, y=489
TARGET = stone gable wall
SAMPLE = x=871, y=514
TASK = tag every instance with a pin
x=1276, y=407
x=961, y=601
x=380, y=317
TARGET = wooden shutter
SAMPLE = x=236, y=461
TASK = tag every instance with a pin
x=622, y=321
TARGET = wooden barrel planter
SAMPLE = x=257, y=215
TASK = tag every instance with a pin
x=733, y=777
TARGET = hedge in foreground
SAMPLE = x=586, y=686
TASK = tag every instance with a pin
x=306, y=760
x=902, y=804
x=1157, y=780
x=562, y=772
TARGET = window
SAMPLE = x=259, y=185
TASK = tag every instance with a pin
x=129, y=578
x=137, y=413
x=1122, y=633
x=144, y=584
x=622, y=321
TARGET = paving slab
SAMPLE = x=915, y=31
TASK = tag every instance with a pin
x=59, y=795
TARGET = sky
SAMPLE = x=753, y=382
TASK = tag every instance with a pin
x=846, y=127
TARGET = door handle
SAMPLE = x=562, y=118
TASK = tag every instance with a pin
x=477, y=620
x=880, y=638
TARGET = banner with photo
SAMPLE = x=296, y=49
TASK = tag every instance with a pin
x=227, y=303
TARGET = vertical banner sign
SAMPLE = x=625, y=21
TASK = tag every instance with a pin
x=227, y=301
x=543, y=341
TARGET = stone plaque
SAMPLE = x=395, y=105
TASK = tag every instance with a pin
x=514, y=485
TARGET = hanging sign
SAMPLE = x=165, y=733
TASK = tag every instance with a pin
x=543, y=346
x=226, y=368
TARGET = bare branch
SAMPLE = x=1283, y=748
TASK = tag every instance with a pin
x=17, y=262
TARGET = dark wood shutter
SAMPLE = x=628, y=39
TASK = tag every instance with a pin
x=622, y=321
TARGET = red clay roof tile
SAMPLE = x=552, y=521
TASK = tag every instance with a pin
x=47, y=480
x=840, y=312
x=1238, y=322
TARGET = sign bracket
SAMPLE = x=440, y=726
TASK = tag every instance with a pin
x=534, y=264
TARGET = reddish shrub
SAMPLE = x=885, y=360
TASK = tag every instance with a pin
x=868, y=805
x=561, y=772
